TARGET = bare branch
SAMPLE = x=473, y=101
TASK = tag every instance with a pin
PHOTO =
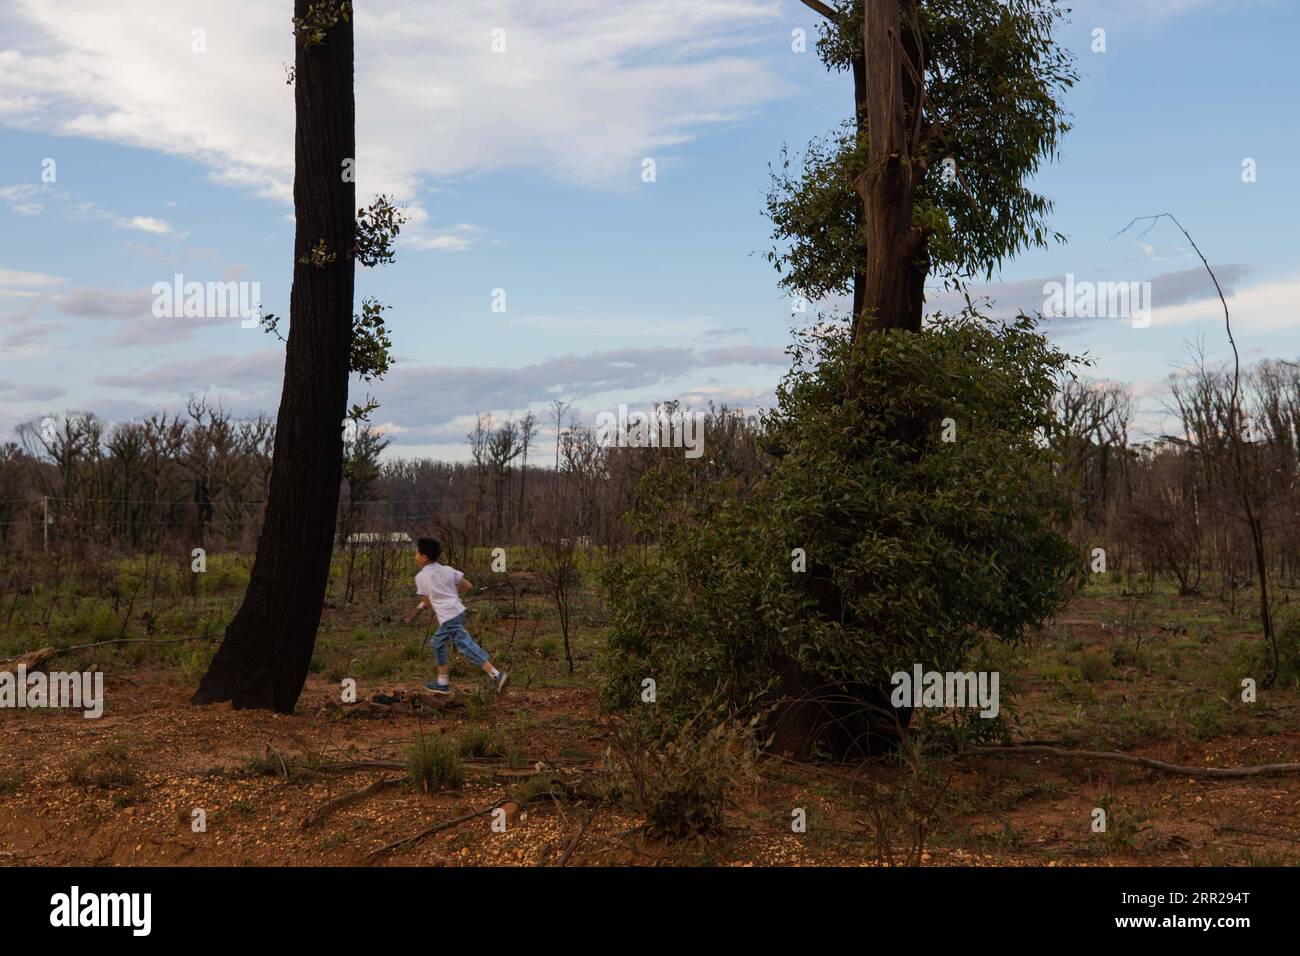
x=829, y=12
x=1234, y=438
x=1259, y=771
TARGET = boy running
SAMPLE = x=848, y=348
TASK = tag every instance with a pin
x=440, y=587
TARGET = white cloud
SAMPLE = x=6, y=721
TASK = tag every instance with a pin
x=417, y=232
x=442, y=242
x=584, y=90
x=1263, y=307
x=616, y=374
x=14, y=280
x=144, y=224
x=149, y=224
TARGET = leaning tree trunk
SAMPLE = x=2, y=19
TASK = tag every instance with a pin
x=263, y=660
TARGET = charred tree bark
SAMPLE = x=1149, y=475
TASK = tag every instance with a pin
x=263, y=660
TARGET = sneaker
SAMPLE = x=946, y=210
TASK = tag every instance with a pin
x=443, y=689
x=500, y=683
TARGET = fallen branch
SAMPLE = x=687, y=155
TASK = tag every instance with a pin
x=32, y=660
x=357, y=765
x=506, y=773
x=577, y=838
x=1263, y=833
x=317, y=816
x=49, y=652
x=1260, y=771
x=430, y=831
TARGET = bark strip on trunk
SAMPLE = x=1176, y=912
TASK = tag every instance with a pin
x=895, y=269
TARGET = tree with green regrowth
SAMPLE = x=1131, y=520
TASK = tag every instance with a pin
x=909, y=512
x=966, y=96
x=267, y=648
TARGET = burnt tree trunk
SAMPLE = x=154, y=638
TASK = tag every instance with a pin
x=263, y=660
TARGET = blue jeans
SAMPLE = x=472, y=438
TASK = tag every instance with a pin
x=454, y=631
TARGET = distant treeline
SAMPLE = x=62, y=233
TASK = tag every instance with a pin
x=200, y=479
x=1165, y=508
x=1176, y=507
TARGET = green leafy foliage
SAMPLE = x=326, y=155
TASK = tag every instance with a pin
x=310, y=30
x=918, y=550
x=994, y=77
x=1288, y=648
x=434, y=762
x=370, y=350
x=378, y=226
x=318, y=256
x=370, y=357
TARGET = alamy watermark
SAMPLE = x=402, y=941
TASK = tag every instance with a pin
x=660, y=429
x=1085, y=299
x=208, y=300
x=923, y=688
x=75, y=908
x=75, y=690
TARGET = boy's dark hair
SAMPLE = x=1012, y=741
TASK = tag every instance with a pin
x=429, y=547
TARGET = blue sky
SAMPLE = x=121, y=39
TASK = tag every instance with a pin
x=523, y=172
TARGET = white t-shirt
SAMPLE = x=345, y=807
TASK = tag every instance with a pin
x=438, y=583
